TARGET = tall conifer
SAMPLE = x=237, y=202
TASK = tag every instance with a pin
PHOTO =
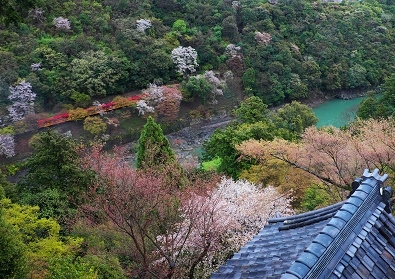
x=153, y=146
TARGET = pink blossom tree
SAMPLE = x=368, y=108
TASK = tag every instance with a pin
x=332, y=155
x=177, y=232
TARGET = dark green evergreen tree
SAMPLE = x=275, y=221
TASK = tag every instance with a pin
x=252, y=110
x=153, y=146
x=54, y=181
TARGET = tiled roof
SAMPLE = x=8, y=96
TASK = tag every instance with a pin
x=351, y=239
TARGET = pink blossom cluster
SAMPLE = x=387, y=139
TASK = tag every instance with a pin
x=22, y=98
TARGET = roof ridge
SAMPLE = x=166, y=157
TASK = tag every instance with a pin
x=313, y=262
x=308, y=214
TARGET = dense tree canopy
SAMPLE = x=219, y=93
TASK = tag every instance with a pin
x=283, y=52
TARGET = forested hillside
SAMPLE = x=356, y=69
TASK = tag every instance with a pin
x=75, y=51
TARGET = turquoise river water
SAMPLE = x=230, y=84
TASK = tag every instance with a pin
x=337, y=112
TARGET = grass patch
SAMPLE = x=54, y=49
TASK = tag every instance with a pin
x=211, y=165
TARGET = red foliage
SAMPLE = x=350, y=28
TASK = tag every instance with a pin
x=64, y=117
x=168, y=109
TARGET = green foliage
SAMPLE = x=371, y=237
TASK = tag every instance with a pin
x=80, y=99
x=252, y=110
x=14, y=11
x=179, y=26
x=70, y=268
x=212, y=165
x=248, y=80
x=95, y=125
x=379, y=107
x=37, y=240
x=54, y=180
x=222, y=144
x=153, y=146
x=294, y=117
x=54, y=164
x=97, y=72
x=8, y=130
x=314, y=197
x=7, y=189
x=12, y=252
x=196, y=87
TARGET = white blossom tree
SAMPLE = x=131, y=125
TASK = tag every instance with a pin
x=22, y=98
x=226, y=218
x=35, y=67
x=61, y=23
x=143, y=107
x=154, y=94
x=232, y=50
x=7, y=145
x=143, y=24
x=185, y=59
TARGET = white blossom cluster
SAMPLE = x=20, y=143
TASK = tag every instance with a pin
x=228, y=75
x=22, y=98
x=185, y=59
x=227, y=217
x=37, y=14
x=154, y=94
x=232, y=50
x=263, y=38
x=143, y=107
x=98, y=107
x=7, y=145
x=235, y=4
x=61, y=23
x=217, y=84
x=251, y=206
x=143, y=24
x=35, y=67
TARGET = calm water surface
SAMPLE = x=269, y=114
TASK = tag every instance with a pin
x=337, y=112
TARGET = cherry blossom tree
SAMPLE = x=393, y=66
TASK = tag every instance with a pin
x=7, y=145
x=143, y=107
x=332, y=155
x=177, y=232
x=154, y=94
x=61, y=23
x=263, y=38
x=185, y=59
x=143, y=24
x=22, y=98
x=151, y=211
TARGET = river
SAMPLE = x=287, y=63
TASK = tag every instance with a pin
x=337, y=112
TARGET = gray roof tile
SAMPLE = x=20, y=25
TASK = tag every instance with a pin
x=352, y=239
